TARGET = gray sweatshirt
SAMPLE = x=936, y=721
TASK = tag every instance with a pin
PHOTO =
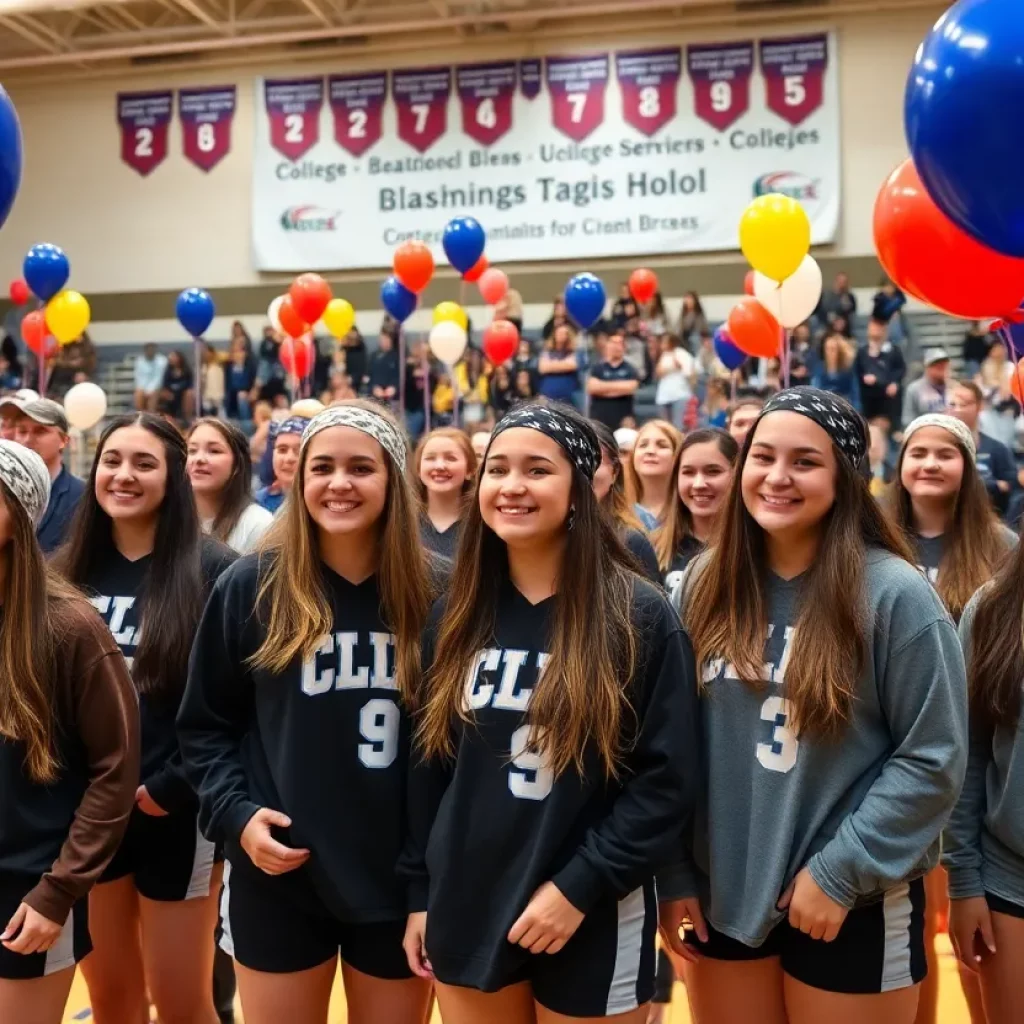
x=983, y=845
x=930, y=550
x=864, y=812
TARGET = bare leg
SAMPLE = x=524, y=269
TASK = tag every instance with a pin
x=39, y=1001
x=729, y=992
x=971, y=984
x=300, y=997
x=376, y=999
x=637, y=1016
x=1002, y=990
x=512, y=1005
x=807, y=1005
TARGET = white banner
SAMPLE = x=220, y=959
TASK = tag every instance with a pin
x=607, y=154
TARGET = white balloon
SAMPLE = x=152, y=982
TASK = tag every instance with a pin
x=272, y=310
x=796, y=298
x=448, y=341
x=85, y=405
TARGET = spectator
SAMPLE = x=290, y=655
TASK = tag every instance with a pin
x=996, y=465
x=212, y=385
x=641, y=348
x=558, y=367
x=239, y=380
x=73, y=364
x=149, y=378
x=995, y=372
x=11, y=407
x=284, y=461
x=888, y=303
x=977, y=342
x=501, y=392
x=835, y=372
x=650, y=477
x=675, y=373
x=339, y=388
x=840, y=325
x=442, y=401
x=9, y=350
x=355, y=359
x=880, y=368
x=524, y=386
x=742, y=415
x=391, y=327
x=557, y=318
x=43, y=427
x=653, y=317
x=624, y=308
x=716, y=404
x=612, y=385
x=693, y=324
x=176, y=396
x=383, y=373
x=803, y=358
x=472, y=384
x=525, y=360
x=268, y=366
x=837, y=301
x=927, y=393
x=240, y=334
x=8, y=380
x=512, y=307
x=419, y=386
x=262, y=417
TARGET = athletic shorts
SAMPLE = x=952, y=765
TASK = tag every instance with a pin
x=167, y=856
x=72, y=945
x=277, y=924
x=1000, y=906
x=880, y=947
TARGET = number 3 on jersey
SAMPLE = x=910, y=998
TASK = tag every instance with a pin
x=780, y=754
x=528, y=778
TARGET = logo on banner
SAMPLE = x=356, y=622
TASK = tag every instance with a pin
x=721, y=81
x=310, y=219
x=294, y=111
x=358, y=105
x=530, y=78
x=649, y=80
x=206, y=116
x=144, y=117
x=577, y=86
x=485, y=92
x=788, y=183
x=794, y=75
x=421, y=97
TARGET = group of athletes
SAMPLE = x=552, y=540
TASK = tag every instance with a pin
x=482, y=719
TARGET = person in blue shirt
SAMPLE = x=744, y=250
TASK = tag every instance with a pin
x=284, y=442
x=558, y=367
x=836, y=373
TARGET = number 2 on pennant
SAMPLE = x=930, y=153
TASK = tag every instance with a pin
x=721, y=96
x=486, y=116
x=143, y=141
x=795, y=93
x=578, y=103
x=357, y=124
x=422, y=112
x=206, y=138
x=293, y=128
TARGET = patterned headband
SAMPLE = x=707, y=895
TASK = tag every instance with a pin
x=370, y=423
x=292, y=425
x=950, y=424
x=843, y=424
x=26, y=475
x=579, y=442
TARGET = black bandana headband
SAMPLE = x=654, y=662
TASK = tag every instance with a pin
x=579, y=443
x=843, y=424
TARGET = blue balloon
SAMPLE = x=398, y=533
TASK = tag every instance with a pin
x=463, y=242
x=963, y=98
x=46, y=270
x=731, y=357
x=10, y=155
x=195, y=310
x=585, y=299
x=397, y=299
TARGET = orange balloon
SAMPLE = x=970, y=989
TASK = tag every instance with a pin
x=34, y=330
x=474, y=272
x=414, y=265
x=1017, y=383
x=754, y=330
x=292, y=324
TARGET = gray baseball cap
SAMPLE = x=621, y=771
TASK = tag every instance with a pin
x=47, y=412
x=935, y=355
x=20, y=398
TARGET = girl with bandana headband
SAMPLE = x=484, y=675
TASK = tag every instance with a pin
x=555, y=752
x=295, y=733
x=284, y=458
x=69, y=755
x=834, y=714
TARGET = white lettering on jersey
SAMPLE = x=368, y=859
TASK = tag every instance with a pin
x=479, y=692
x=118, y=608
x=332, y=667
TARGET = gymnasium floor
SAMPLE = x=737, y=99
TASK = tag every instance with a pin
x=952, y=1009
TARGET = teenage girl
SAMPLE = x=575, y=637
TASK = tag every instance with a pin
x=69, y=756
x=835, y=735
x=220, y=469
x=294, y=731
x=556, y=731
x=983, y=848
x=444, y=465
x=137, y=551
x=706, y=463
x=284, y=461
x=649, y=479
x=611, y=495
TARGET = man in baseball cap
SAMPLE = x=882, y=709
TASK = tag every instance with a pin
x=10, y=411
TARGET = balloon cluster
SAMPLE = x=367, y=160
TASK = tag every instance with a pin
x=65, y=313
x=307, y=302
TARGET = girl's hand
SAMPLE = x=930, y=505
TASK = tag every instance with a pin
x=413, y=944
x=147, y=804
x=548, y=922
x=810, y=910
x=672, y=915
x=970, y=930
x=36, y=935
x=264, y=850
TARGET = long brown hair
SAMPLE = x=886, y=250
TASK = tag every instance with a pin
x=37, y=603
x=974, y=545
x=579, y=699
x=726, y=615
x=461, y=441
x=615, y=502
x=677, y=522
x=293, y=595
x=634, y=485
x=236, y=496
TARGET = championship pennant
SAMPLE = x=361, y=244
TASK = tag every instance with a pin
x=357, y=102
x=293, y=107
x=144, y=117
x=721, y=81
x=530, y=78
x=794, y=75
x=206, y=116
x=421, y=96
x=649, y=80
x=486, y=92
x=577, y=86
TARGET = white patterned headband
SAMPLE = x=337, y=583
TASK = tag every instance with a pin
x=579, y=442
x=950, y=424
x=370, y=423
x=27, y=477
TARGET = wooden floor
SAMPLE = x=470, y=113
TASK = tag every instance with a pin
x=952, y=1009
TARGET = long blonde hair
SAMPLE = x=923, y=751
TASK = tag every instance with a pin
x=634, y=485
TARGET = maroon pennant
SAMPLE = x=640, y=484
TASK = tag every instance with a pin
x=794, y=75
x=486, y=92
x=530, y=78
x=577, y=86
x=358, y=105
x=721, y=81
x=206, y=116
x=144, y=117
x=649, y=80
x=293, y=106
x=421, y=96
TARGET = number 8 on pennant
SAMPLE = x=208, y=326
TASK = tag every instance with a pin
x=206, y=116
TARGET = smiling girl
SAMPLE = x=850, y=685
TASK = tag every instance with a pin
x=649, y=479
x=834, y=711
x=444, y=465
x=284, y=461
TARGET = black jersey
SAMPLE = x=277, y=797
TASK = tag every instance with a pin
x=492, y=825
x=640, y=548
x=687, y=551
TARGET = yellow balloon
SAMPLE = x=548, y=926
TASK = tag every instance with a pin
x=775, y=235
x=339, y=317
x=451, y=311
x=67, y=316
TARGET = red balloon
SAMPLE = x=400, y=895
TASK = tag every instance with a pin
x=642, y=285
x=927, y=255
x=19, y=292
x=310, y=294
x=34, y=330
x=474, y=272
x=297, y=356
x=493, y=285
x=753, y=329
x=291, y=323
x=501, y=339
x=748, y=283
x=414, y=265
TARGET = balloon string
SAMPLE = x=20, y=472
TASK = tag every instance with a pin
x=732, y=386
x=787, y=335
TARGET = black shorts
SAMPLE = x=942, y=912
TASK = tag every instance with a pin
x=880, y=947
x=72, y=945
x=168, y=856
x=1001, y=906
x=277, y=924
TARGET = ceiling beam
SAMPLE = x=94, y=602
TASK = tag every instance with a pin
x=31, y=34
x=314, y=9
